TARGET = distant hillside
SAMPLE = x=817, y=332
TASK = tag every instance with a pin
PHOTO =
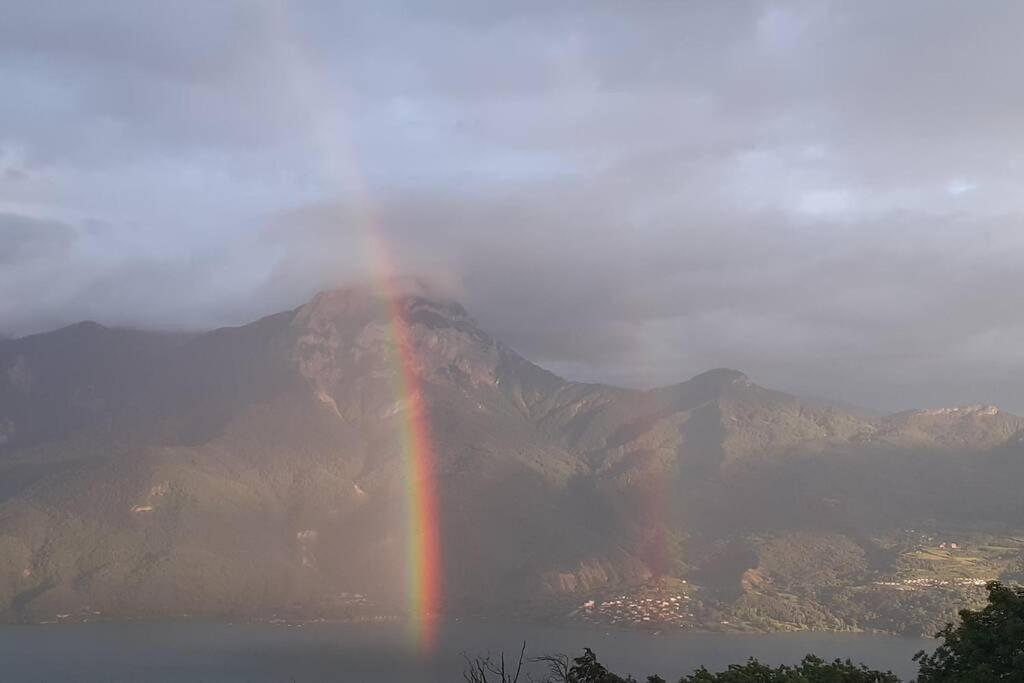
x=257, y=469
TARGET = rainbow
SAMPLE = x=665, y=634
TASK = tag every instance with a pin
x=311, y=92
x=422, y=529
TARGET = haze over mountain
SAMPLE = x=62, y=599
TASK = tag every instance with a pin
x=255, y=469
x=825, y=195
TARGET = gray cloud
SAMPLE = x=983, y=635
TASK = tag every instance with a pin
x=24, y=239
x=825, y=195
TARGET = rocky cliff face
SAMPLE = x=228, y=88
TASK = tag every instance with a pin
x=252, y=468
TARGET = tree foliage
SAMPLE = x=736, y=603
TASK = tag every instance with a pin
x=987, y=645
x=811, y=670
x=583, y=669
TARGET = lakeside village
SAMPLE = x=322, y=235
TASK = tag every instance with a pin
x=650, y=607
x=926, y=562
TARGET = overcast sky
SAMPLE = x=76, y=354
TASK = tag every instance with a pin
x=824, y=195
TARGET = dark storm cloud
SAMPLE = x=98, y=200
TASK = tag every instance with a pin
x=825, y=195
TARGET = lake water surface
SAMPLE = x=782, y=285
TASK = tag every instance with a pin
x=378, y=653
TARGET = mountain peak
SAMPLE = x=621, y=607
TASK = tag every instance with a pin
x=722, y=374
x=340, y=331
x=719, y=378
x=84, y=327
x=405, y=295
x=707, y=386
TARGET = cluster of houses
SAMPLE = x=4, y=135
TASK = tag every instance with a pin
x=637, y=610
x=927, y=539
x=913, y=584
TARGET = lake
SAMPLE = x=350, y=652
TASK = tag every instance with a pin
x=372, y=653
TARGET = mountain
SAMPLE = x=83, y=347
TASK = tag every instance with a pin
x=258, y=470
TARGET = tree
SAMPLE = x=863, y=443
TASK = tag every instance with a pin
x=810, y=670
x=582, y=669
x=988, y=645
x=586, y=669
x=487, y=670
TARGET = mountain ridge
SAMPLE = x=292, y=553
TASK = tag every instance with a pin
x=250, y=468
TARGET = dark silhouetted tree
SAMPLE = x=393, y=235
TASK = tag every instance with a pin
x=810, y=670
x=488, y=670
x=988, y=645
x=586, y=669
